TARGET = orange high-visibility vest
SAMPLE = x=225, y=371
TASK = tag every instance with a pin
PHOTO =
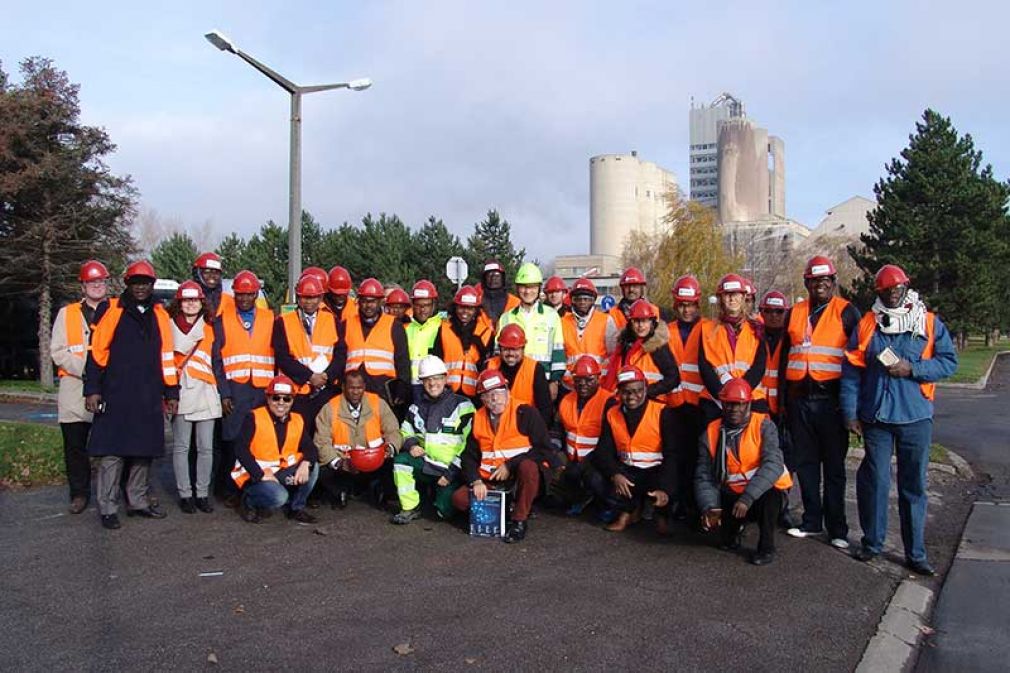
x=582, y=430
x=101, y=340
x=248, y=356
x=592, y=341
x=868, y=326
x=644, y=449
x=686, y=355
x=770, y=381
x=816, y=353
x=269, y=456
x=730, y=363
x=375, y=352
x=497, y=448
x=341, y=434
x=484, y=320
x=522, y=386
x=77, y=333
x=324, y=335
x=740, y=469
x=198, y=365
x=462, y=367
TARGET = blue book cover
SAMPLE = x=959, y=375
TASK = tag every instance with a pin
x=487, y=516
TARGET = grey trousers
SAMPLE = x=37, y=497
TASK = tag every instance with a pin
x=181, y=433
x=110, y=470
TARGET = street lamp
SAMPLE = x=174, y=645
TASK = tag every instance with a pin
x=223, y=43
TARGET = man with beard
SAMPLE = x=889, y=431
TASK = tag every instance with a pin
x=463, y=342
x=584, y=329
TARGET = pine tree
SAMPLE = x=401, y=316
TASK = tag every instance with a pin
x=231, y=251
x=434, y=244
x=492, y=239
x=173, y=257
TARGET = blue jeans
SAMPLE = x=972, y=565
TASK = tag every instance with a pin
x=275, y=494
x=873, y=483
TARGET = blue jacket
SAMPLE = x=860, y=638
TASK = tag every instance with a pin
x=873, y=396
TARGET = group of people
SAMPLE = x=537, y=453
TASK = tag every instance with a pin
x=540, y=393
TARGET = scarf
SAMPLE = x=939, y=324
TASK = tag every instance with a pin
x=582, y=321
x=909, y=316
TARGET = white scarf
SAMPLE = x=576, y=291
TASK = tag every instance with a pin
x=910, y=316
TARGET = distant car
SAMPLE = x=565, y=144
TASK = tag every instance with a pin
x=164, y=291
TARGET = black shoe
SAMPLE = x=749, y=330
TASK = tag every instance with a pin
x=249, y=514
x=110, y=521
x=732, y=545
x=921, y=568
x=863, y=554
x=762, y=558
x=203, y=504
x=301, y=516
x=233, y=501
x=187, y=506
x=517, y=532
x=78, y=504
x=151, y=512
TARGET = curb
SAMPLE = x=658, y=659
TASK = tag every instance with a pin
x=27, y=396
x=901, y=629
x=982, y=382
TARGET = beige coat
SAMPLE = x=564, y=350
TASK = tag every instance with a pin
x=324, y=431
x=70, y=401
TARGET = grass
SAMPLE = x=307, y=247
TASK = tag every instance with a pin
x=30, y=454
x=973, y=361
x=937, y=452
x=21, y=385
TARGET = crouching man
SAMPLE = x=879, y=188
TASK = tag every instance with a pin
x=741, y=475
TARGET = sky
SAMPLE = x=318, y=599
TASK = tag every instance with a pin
x=479, y=105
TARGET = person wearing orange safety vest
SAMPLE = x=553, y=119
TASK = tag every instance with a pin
x=199, y=401
x=398, y=305
x=338, y=290
x=741, y=475
x=207, y=273
x=276, y=464
x=494, y=298
x=645, y=343
x=69, y=344
x=893, y=361
x=507, y=442
x=636, y=452
x=464, y=343
x=731, y=348
x=556, y=295
x=817, y=331
x=584, y=329
x=130, y=382
x=633, y=286
x=527, y=381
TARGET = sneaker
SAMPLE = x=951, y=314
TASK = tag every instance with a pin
x=406, y=516
x=839, y=543
x=803, y=532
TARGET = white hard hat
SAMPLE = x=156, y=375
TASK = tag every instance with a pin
x=430, y=365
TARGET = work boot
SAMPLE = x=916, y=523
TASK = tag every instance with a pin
x=249, y=514
x=406, y=516
x=78, y=504
x=203, y=504
x=187, y=506
x=622, y=521
x=517, y=532
x=301, y=516
x=110, y=521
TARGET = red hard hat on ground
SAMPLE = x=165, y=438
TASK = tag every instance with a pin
x=555, y=284
x=281, y=385
x=889, y=276
x=630, y=374
x=512, y=336
x=730, y=283
x=686, y=290
x=583, y=286
x=245, y=282
x=309, y=286
x=819, y=266
x=397, y=296
x=317, y=273
x=370, y=287
x=641, y=310
x=774, y=299
x=735, y=390
x=423, y=289
x=632, y=276
x=189, y=289
x=466, y=296
x=367, y=459
x=140, y=268
x=208, y=260
x=490, y=379
x=339, y=280
x=585, y=366
x=92, y=270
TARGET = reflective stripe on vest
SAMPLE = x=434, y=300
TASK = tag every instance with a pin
x=442, y=446
x=644, y=449
x=420, y=339
x=770, y=381
x=738, y=471
x=462, y=367
x=732, y=363
x=263, y=445
x=582, y=430
x=496, y=448
x=592, y=341
x=868, y=327
x=101, y=340
x=374, y=351
x=686, y=355
x=78, y=333
x=341, y=434
x=817, y=352
x=198, y=365
x=248, y=356
x=304, y=350
x=521, y=387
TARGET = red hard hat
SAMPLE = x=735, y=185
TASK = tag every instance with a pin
x=397, y=296
x=732, y=282
x=889, y=276
x=749, y=287
x=466, y=296
x=583, y=286
x=774, y=299
x=140, y=268
x=491, y=379
x=630, y=374
x=493, y=265
x=368, y=459
x=370, y=287
x=309, y=286
x=555, y=284
x=189, y=289
x=282, y=385
x=92, y=270
x=208, y=260
x=317, y=273
x=735, y=390
x=512, y=336
x=586, y=365
x=632, y=276
x=423, y=289
x=686, y=289
x=245, y=282
x=819, y=266
x=339, y=280
x=641, y=309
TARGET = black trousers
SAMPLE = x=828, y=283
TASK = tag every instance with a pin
x=582, y=478
x=820, y=441
x=333, y=482
x=78, y=464
x=644, y=480
x=765, y=511
x=690, y=423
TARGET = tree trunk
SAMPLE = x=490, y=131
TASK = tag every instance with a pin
x=46, y=308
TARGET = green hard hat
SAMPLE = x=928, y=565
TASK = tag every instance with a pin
x=529, y=274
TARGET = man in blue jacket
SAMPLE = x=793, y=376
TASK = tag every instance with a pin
x=892, y=363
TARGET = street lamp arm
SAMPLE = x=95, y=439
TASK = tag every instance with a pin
x=276, y=77
x=323, y=87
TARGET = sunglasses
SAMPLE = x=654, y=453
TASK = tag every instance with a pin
x=280, y=398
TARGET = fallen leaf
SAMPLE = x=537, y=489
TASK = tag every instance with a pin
x=239, y=609
x=212, y=658
x=403, y=649
x=470, y=660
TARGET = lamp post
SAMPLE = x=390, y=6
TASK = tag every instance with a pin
x=223, y=43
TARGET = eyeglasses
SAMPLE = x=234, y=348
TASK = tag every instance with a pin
x=280, y=398
x=773, y=311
